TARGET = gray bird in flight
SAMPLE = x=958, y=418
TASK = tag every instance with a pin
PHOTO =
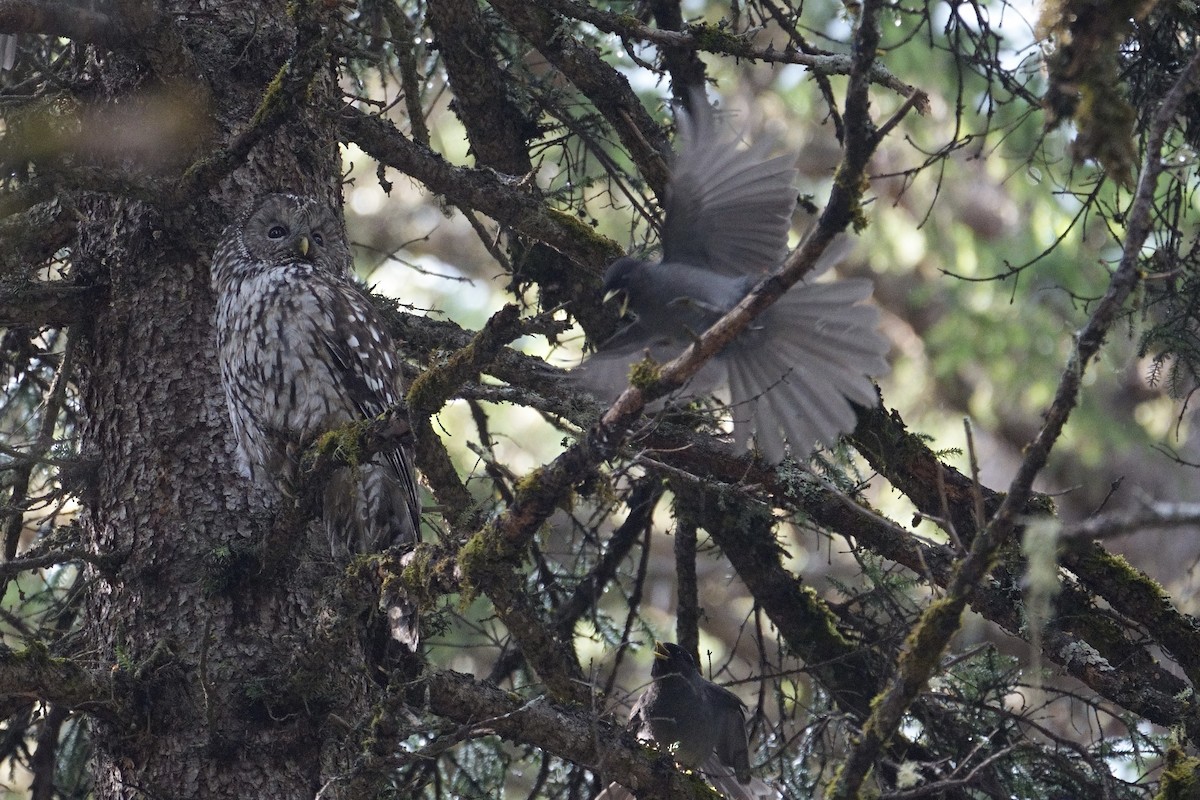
x=702, y=725
x=792, y=374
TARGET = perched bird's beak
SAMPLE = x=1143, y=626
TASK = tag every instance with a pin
x=660, y=652
x=624, y=295
x=302, y=246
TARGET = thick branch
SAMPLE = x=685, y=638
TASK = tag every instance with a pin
x=708, y=39
x=32, y=237
x=576, y=735
x=607, y=88
x=501, y=197
x=35, y=673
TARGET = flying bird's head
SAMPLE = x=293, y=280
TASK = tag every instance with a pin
x=621, y=279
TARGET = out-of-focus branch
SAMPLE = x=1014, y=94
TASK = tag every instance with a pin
x=54, y=304
x=498, y=128
x=69, y=20
x=1157, y=515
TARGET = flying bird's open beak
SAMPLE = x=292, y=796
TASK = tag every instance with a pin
x=621, y=293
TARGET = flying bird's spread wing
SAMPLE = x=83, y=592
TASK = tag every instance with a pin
x=728, y=208
x=794, y=375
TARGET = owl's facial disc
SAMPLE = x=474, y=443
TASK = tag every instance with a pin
x=290, y=230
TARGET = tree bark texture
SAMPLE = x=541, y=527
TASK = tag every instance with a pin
x=203, y=648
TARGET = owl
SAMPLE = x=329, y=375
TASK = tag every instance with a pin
x=302, y=351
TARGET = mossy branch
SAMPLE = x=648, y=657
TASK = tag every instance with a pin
x=438, y=384
x=484, y=190
x=572, y=734
x=932, y=633
x=35, y=672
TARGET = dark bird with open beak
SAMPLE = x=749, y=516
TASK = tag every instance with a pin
x=793, y=374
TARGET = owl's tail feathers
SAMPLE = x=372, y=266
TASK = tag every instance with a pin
x=615, y=791
x=793, y=376
x=730, y=786
x=8, y=51
x=754, y=789
x=404, y=622
x=370, y=509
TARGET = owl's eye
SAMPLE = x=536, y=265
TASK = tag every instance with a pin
x=277, y=232
x=319, y=239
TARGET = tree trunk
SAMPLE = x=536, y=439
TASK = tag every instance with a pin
x=202, y=645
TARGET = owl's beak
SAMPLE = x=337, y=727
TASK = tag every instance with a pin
x=302, y=246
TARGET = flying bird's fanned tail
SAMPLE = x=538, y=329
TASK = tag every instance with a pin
x=728, y=784
x=794, y=375
x=795, y=372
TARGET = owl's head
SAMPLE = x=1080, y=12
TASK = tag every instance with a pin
x=288, y=229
